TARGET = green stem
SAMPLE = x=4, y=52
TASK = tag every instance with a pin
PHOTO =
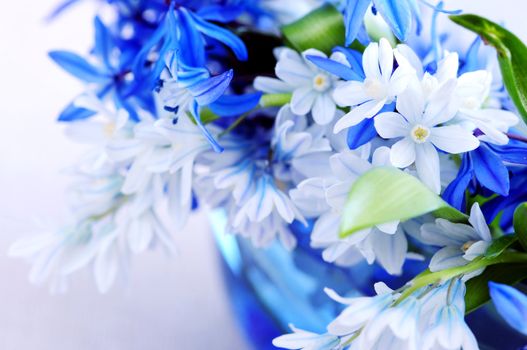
x=237, y=122
x=274, y=100
x=427, y=277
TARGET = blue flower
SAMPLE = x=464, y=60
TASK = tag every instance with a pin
x=187, y=89
x=108, y=73
x=186, y=31
x=511, y=305
x=507, y=204
x=485, y=166
x=398, y=14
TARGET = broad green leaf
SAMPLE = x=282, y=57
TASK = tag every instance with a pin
x=520, y=224
x=387, y=194
x=478, y=290
x=512, y=55
x=322, y=29
x=500, y=245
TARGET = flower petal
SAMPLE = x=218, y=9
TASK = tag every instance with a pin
x=302, y=100
x=402, y=153
x=370, y=61
x=427, y=164
x=511, y=305
x=271, y=85
x=453, y=139
x=447, y=257
x=477, y=220
x=292, y=69
x=390, y=125
x=358, y=114
x=350, y=93
x=324, y=109
x=390, y=250
x=385, y=59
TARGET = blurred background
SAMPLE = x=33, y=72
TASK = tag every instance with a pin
x=167, y=303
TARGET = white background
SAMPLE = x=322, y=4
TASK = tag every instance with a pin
x=177, y=303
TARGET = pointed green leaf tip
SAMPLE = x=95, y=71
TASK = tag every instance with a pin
x=321, y=29
x=520, y=224
x=387, y=194
x=512, y=55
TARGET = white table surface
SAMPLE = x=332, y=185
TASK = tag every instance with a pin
x=177, y=303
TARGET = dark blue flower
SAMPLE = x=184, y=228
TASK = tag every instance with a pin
x=486, y=166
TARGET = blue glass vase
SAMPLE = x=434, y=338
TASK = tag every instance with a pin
x=271, y=288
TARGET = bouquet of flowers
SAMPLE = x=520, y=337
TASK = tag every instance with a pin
x=387, y=138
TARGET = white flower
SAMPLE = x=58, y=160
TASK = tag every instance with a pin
x=109, y=227
x=325, y=198
x=428, y=318
x=301, y=339
x=299, y=150
x=255, y=175
x=266, y=198
x=100, y=129
x=471, y=99
x=311, y=86
x=394, y=328
x=472, y=93
x=461, y=243
x=161, y=147
x=359, y=310
x=419, y=124
x=445, y=327
x=380, y=86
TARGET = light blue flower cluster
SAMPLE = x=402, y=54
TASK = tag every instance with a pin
x=197, y=102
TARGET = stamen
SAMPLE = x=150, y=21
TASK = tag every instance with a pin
x=321, y=82
x=420, y=133
x=467, y=245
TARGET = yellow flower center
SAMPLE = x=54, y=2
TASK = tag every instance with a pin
x=467, y=245
x=109, y=129
x=420, y=133
x=321, y=82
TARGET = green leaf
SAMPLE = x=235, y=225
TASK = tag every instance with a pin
x=387, y=194
x=499, y=245
x=520, y=224
x=322, y=29
x=478, y=287
x=512, y=55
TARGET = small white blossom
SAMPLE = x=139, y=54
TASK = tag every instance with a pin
x=380, y=87
x=161, y=147
x=461, y=243
x=419, y=128
x=312, y=87
x=471, y=99
x=444, y=326
x=431, y=317
x=472, y=93
x=109, y=227
x=325, y=198
x=257, y=177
